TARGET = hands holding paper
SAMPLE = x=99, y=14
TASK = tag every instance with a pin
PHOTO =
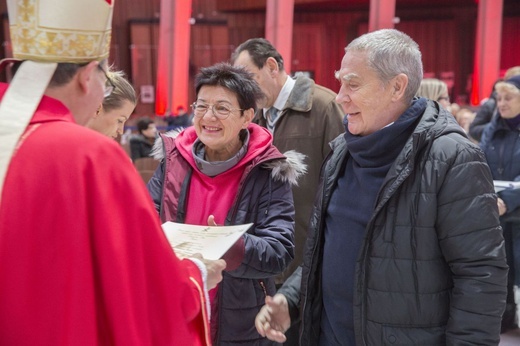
x=214, y=269
x=235, y=255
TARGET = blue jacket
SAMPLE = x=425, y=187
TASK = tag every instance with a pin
x=265, y=199
x=502, y=148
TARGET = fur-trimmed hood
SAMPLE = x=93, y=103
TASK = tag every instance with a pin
x=288, y=170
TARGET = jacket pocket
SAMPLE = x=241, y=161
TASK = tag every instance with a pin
x=413, y=336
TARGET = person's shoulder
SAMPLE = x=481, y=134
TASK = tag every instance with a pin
x=287, y=169
x=77, y=143
x=306, y=82
x=320, y=89
x=455, y=146
x=323, y=95
x=318, y=92
x=92, y=140
x=136, y=138
x=70, y=132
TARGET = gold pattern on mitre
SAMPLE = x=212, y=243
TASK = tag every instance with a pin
x=75, y=31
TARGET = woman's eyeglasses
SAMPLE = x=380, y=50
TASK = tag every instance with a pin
x=220, y=110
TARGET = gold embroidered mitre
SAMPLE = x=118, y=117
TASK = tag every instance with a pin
x=75, y=31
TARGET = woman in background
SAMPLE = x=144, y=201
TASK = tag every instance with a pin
x=436, y=90
x=116, y=108
x=501, y=145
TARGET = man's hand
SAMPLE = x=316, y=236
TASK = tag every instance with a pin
x=502, y=208
x=214, y=269
x=273, y=320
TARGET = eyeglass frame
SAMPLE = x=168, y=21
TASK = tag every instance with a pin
x=212, y=107
x=109, y=89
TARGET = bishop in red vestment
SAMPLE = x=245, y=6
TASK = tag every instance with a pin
x=83, y=260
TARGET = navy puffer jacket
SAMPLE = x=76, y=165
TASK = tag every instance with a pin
x=264, y=199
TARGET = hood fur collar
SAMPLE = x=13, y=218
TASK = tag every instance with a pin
x=288, y=170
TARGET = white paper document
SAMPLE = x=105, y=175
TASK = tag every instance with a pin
x=210, y=241
x=501, y=185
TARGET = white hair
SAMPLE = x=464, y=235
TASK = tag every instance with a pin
x=389, y=53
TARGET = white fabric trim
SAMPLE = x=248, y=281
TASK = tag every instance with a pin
x=204, y=274
x=18, y=105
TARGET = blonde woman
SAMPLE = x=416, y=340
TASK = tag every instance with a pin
x=501, y=145
x=436, y=90
x=116, y=108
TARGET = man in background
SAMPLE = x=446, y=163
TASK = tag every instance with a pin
x=302, y=116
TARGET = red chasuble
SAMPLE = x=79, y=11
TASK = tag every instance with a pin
x=83, y=260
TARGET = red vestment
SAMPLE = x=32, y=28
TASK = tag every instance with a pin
x=83, y=260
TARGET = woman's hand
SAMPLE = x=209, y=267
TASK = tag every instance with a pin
x=211, y=221
x=235, y=255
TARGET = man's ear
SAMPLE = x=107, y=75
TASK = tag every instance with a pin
x=86, y=75
x=272, y=65
x=399, y=83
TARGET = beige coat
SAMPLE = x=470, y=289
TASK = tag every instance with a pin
x=310, y=119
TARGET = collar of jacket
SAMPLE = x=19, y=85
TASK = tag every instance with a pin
x=435, y=121
x=287, y=168
x=300, y=99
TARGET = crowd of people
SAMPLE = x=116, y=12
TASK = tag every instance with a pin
x=375, y=217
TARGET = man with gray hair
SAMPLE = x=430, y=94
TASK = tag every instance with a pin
x=402, y=249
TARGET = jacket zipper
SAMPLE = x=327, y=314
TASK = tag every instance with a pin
x=263, y=287
x=161, y=204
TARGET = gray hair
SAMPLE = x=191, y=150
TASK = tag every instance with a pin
x=389, y=53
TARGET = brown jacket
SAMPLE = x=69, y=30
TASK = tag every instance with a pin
x=310, y=119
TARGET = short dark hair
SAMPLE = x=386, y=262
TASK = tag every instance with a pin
x=260, y=50
x=63, y=74
x=143, y=124
x=235, y=79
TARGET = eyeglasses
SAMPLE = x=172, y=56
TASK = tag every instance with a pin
x=220, y=110
x=109, y=85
